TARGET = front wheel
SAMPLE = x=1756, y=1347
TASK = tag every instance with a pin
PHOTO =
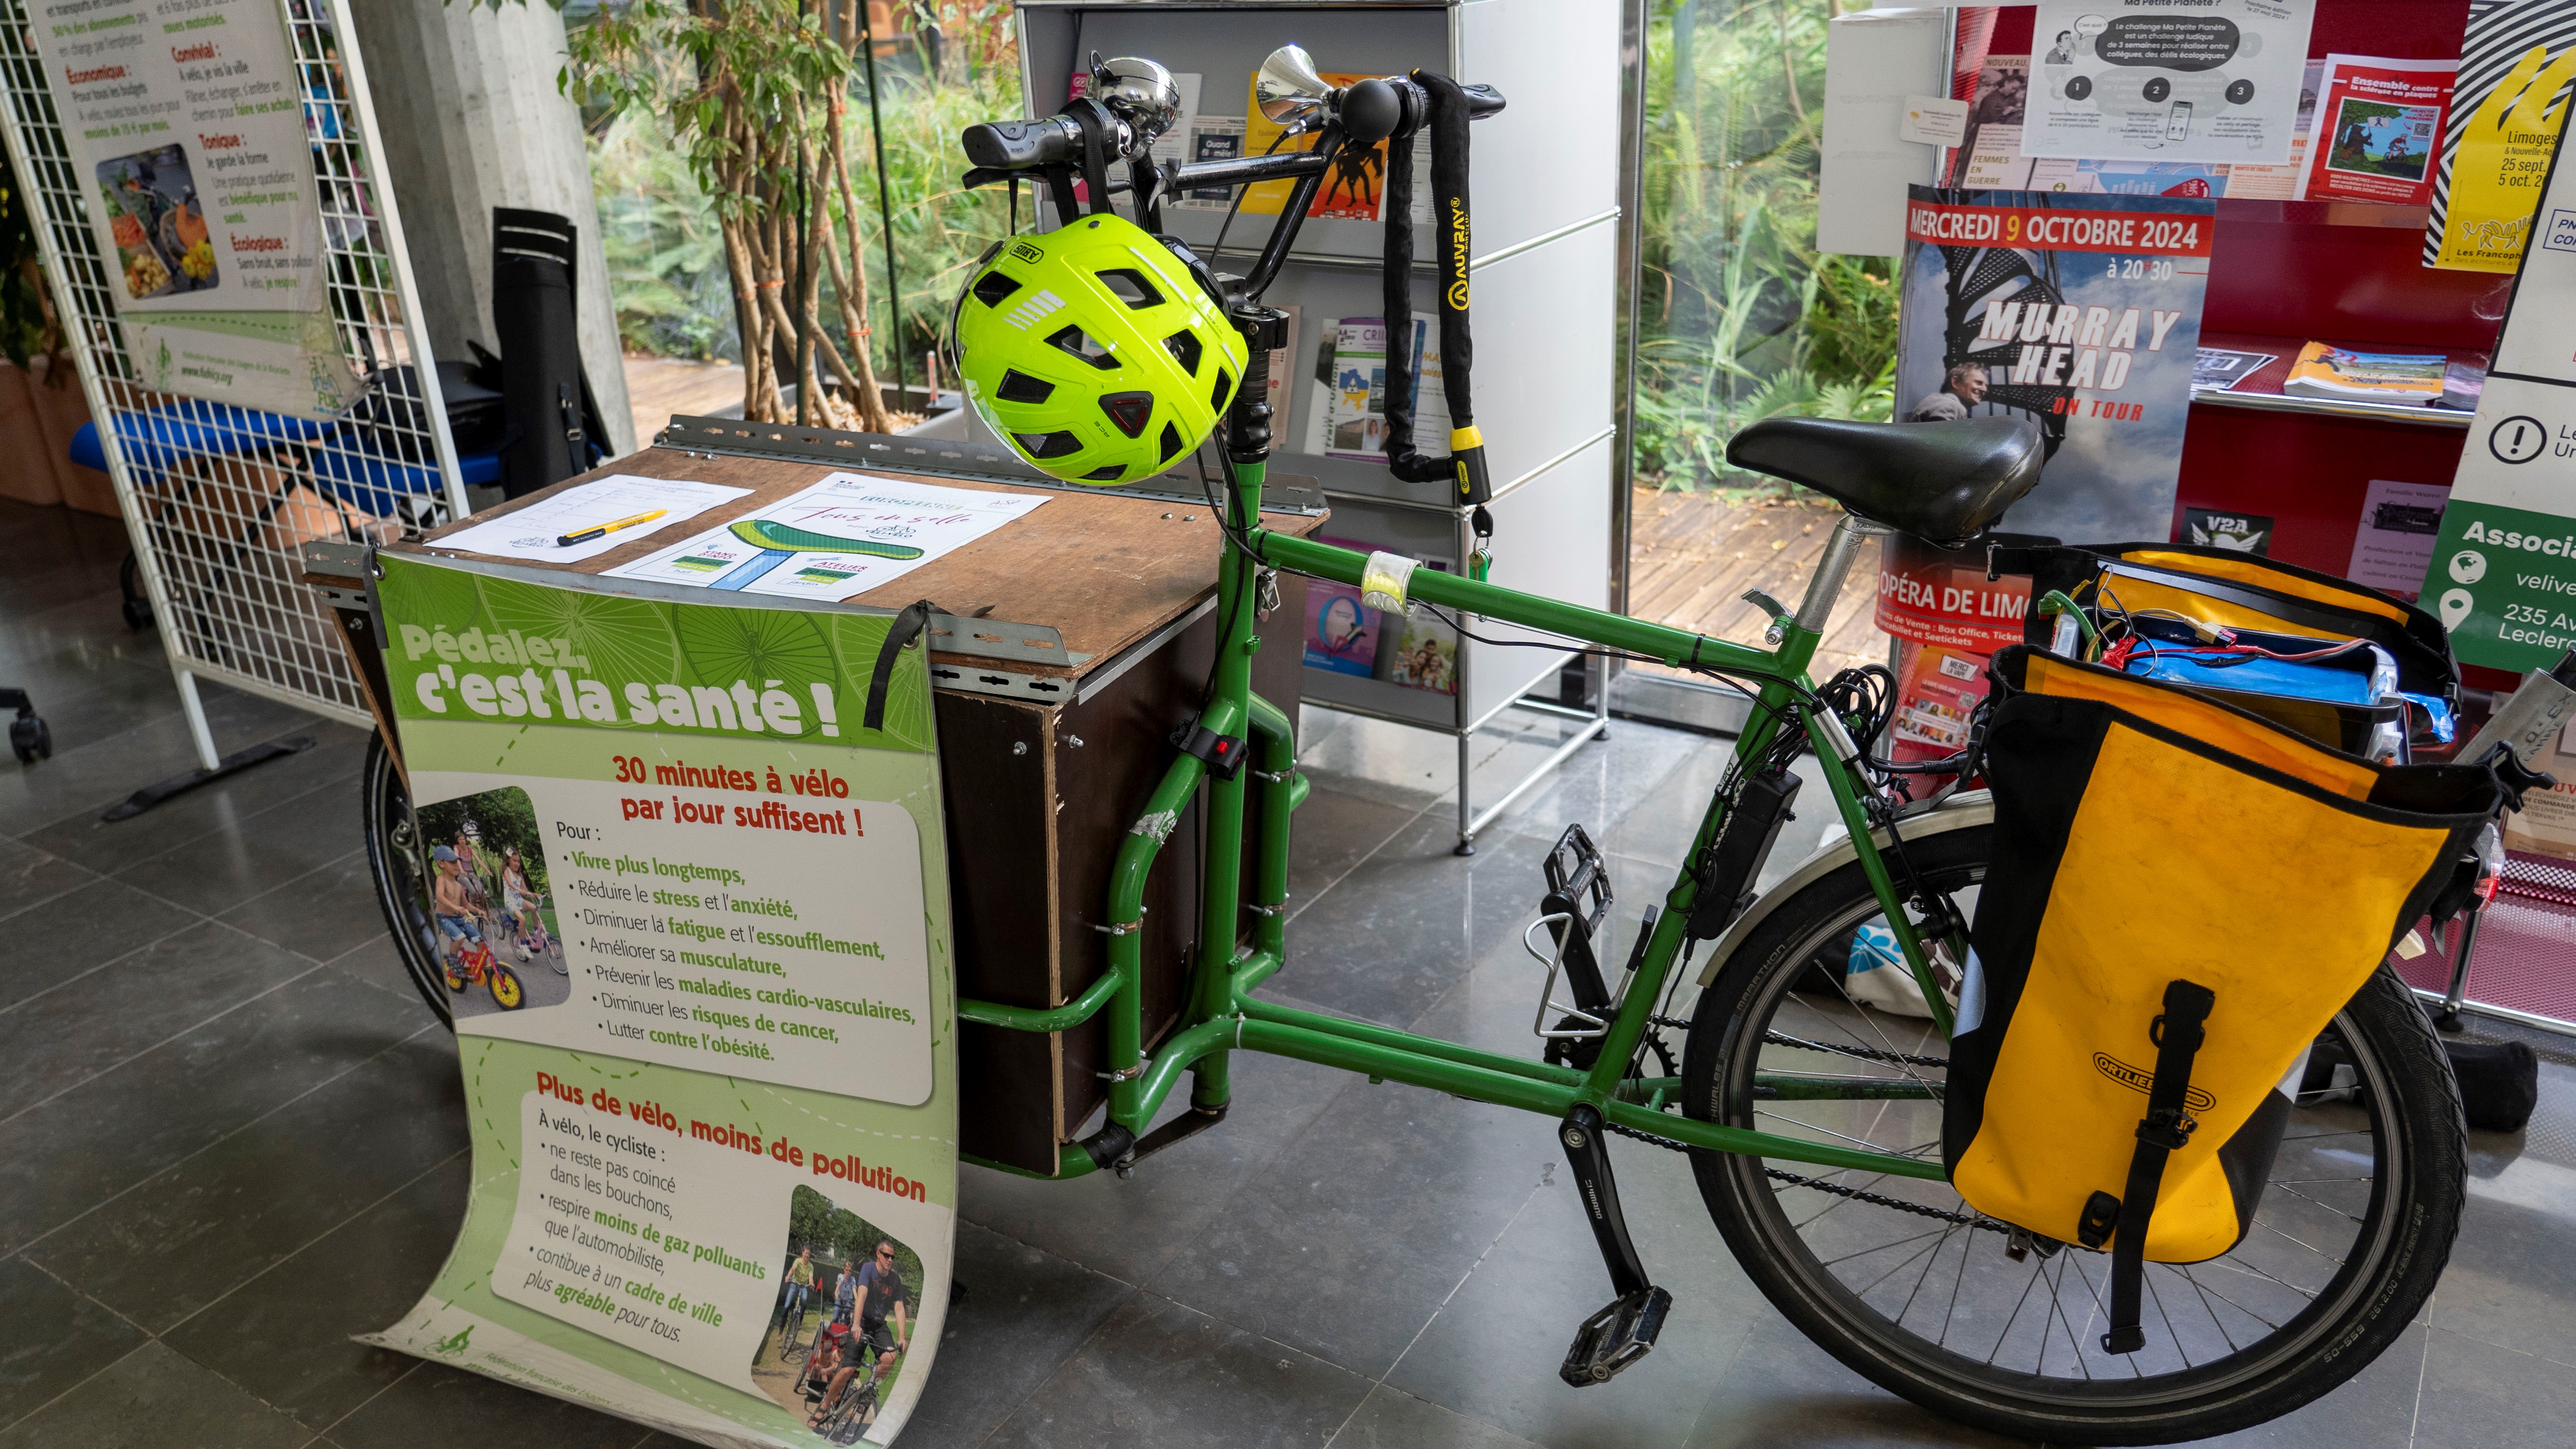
x=506, y=992
x=398, y=860
x=1905, y=1283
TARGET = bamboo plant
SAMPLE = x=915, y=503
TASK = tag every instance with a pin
x=756, y=93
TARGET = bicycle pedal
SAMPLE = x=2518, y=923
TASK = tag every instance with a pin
x=1615, y=1337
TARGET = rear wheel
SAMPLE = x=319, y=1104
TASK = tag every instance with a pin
x=1901, y=1280
x=398, y=861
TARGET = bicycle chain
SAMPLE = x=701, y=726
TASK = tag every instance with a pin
x=1855, y=1194
x=1867, y=1054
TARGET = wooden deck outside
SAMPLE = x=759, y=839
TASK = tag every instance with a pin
x=1691, y=556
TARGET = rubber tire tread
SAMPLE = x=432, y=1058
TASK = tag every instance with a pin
x=379, y=783
x=2436, y=1137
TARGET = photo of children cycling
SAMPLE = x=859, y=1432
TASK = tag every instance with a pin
x=491, y=907
x=849, y=1295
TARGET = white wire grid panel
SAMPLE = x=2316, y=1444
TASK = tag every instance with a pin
x=218, y=498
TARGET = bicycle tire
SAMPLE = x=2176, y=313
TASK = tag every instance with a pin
x=393, y=863
x=2410, y=1206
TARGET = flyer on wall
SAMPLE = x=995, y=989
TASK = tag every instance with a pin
x=189, y=137
x=2502, y=578
x=2167, y=80
x=2509, y=102
x=843, y=536
x=2380, y=124
x=2079, y=312
x=696, y=918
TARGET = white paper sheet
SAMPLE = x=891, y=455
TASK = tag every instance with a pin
x=839, y=538
x=531, y=532
x=2167, y=80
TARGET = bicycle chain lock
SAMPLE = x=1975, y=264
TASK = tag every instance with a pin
x=1444, y=109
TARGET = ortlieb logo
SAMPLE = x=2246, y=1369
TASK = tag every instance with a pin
x=2138, y=1079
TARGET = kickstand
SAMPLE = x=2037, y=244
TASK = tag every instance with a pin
x=1625, y=1331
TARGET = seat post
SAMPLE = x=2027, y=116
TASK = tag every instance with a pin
x=1817, y=608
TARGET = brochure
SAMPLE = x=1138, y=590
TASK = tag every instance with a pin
x=835, y=540
x=1354, y=424
x=2167, y=80
x=1354, y=187
x=2400, y=522
x=1211, y=138
x=2080, y=312
x=1341, y=634
x=2514, y=62
x=2382, y=123
x=2213, y=367
x=2462, y=384
x=1990, y=155
x=2281, y=183
x=1426, y=654
x=2327, y=371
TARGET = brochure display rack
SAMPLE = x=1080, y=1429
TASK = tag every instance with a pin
x=1544, y=271
x=235, y=290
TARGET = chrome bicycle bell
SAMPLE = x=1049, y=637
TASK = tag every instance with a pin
x=1141, y=93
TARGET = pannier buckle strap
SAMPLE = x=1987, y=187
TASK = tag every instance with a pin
x=2166, y=1127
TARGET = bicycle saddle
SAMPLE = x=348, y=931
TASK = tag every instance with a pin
x=1946, y=482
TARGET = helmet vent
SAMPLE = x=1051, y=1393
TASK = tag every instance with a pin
x=1048, y=445
x=1019, y=387
x=1110, y=474
x=1074, y=340
x=1224, y=390
x=1172, y=444
x=1132, y=289
x=1129, y=410
x=992, y=287
x=1184, y=346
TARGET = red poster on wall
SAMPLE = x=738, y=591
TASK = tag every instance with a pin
x=1948, y=618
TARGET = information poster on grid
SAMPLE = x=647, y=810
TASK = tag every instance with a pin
x=187, y=130
x=693, y=916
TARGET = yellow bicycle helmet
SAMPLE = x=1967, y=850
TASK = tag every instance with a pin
x=1095, y=350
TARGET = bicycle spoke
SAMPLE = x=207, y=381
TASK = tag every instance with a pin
x=2018, y=1304
x=2170, y=1331
x=1926, y=1274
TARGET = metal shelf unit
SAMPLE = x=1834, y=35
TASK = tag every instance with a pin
x=1544, y=185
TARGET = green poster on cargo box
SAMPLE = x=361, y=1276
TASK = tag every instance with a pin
x=694, y=919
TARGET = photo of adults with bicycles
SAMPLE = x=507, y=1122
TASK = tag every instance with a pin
x=492, y=911
x=849, y=1296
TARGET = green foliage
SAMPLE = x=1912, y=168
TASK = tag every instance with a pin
x=504, y=820
x=1740, y=317
x=666, y=261
x=840, y=1235
x=667, y=163
x=24, y=328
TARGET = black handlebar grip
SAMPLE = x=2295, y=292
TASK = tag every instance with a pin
x=1018, y=145
x=1482, y=101
x=1370, y=111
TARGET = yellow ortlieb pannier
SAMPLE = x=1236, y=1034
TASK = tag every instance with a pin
x=2181, y=897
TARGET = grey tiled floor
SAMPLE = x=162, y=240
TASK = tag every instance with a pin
x=234, y=1138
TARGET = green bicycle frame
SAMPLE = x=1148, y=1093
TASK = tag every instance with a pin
x=1221, y=1014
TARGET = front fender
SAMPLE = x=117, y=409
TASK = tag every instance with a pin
x=1962, y=811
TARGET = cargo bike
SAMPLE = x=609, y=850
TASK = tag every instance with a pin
x=1812, y=1113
